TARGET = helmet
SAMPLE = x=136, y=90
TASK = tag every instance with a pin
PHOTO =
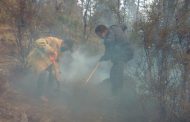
x=41, y=43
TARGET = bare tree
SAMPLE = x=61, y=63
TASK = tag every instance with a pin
x=21, y=16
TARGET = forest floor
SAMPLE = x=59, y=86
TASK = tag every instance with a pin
x=76, y=102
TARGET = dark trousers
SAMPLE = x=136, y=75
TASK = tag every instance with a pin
x=117, y=76
x=51, y=81
x=41, y=83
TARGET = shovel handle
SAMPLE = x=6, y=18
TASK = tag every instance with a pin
x=92, y=73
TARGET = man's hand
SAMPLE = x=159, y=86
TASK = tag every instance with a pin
x=103, y=58
x=63, y=49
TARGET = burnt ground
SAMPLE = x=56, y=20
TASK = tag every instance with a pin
x=75, y=102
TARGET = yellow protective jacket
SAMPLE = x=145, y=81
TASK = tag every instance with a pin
x=40, y=57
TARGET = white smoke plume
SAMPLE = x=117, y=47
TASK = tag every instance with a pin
x=77, y=66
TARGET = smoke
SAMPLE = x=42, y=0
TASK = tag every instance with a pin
x=93, y=101
x=77, y=66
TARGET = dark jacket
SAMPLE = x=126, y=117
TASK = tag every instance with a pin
x=117, y=46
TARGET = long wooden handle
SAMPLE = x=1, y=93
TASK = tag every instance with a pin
x=92, y=73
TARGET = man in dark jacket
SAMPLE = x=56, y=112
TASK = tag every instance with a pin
x=118, y=50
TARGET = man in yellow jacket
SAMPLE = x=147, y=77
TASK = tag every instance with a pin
x=43, y=58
